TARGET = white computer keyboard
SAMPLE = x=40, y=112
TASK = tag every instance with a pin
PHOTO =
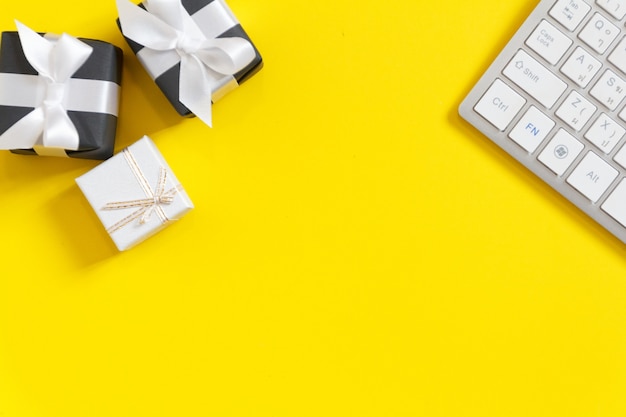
x=554, y=99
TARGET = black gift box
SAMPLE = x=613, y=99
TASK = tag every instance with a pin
x=96, y=130
x=168, y=82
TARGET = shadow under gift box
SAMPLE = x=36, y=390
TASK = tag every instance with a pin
x=96, y=130
x=168, y=81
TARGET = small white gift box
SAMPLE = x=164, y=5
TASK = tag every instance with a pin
x=135, y=194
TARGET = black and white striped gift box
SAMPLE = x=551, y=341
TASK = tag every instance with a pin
x=96, y=130
x=215, y=20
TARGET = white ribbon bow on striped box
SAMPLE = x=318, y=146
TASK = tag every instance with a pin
x=59, y=95
x=196, y=52
x=135, y=194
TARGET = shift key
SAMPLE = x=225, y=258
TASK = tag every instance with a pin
x=535, y=79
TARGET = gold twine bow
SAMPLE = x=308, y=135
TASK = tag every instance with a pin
x=146, y=206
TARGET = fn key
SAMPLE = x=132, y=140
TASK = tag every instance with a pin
x=499, y=105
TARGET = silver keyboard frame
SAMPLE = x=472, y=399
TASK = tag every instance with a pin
x=530, y=161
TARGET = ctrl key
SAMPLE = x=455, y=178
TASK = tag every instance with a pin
x=500, y=104
x=615, y=204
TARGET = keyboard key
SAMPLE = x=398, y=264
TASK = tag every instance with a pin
x=599, y=33
x=560, y=152
x=605, y=133
x=581, y=67
x=615, y=204
x=570, y=13
x=549, y=42
x=500, y=105
x=576, y=111
x=535, y=79
x=618, y=56
x=532, y=129
x=617, y=8
x=620, y=157
x=609, y=90
x=622, y=114
x=592, y=177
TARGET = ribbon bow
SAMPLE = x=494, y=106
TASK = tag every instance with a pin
x=145, y=206
x=56, y=62
x=166, y=26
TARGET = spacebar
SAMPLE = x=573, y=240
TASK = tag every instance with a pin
x=535, y=79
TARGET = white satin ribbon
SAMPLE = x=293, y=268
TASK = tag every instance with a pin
x=56, y=62
x=93, y=96
x=170, y=35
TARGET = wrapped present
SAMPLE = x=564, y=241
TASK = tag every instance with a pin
x=195, y=50
x=59, y=95
x=135, y=193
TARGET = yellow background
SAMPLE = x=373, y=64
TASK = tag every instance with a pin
x=356, y=248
